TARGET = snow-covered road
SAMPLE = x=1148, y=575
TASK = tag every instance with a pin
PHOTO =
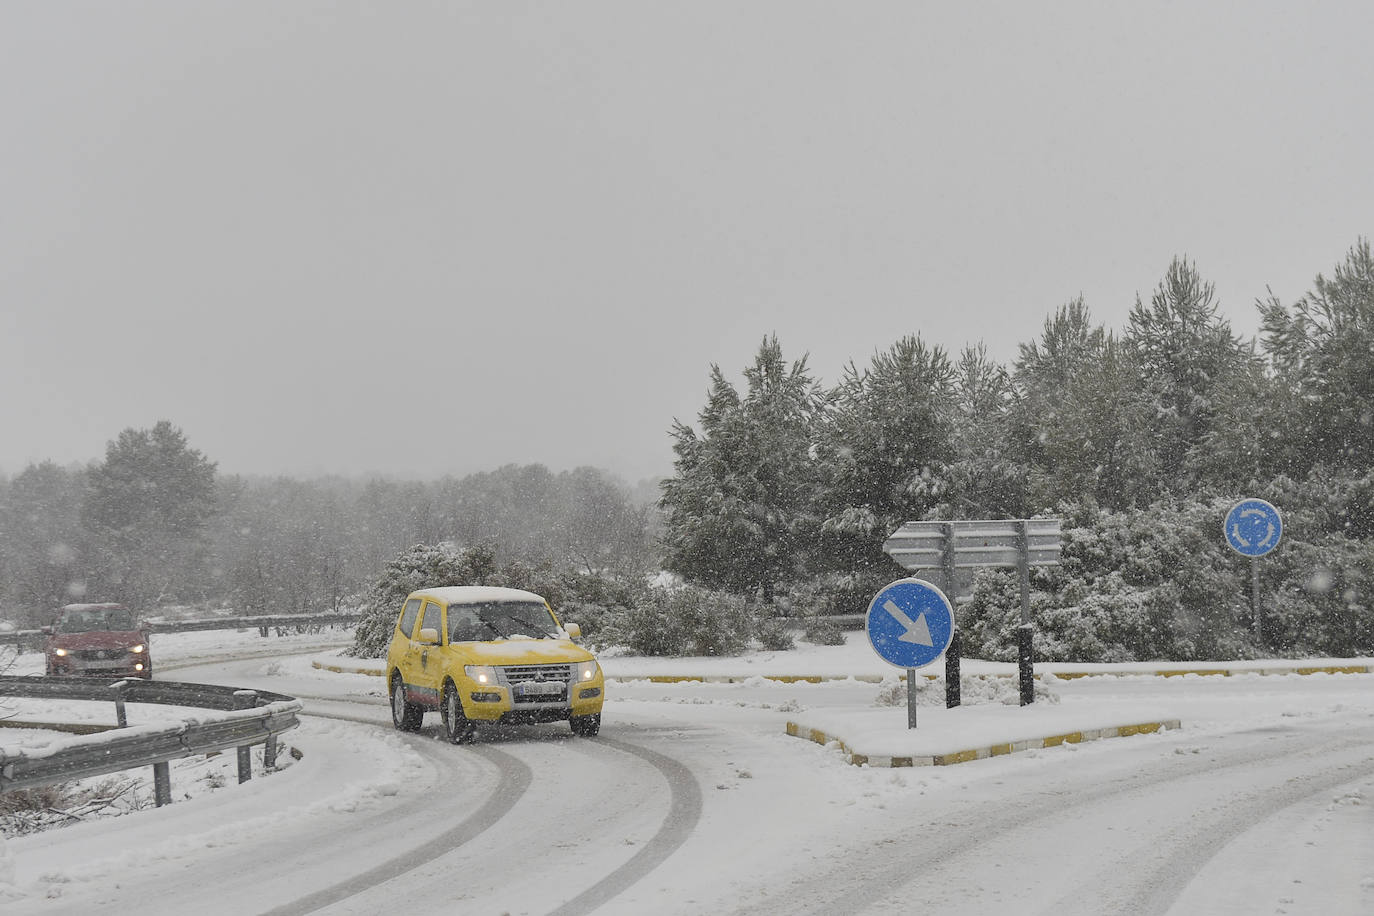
x=695, y=801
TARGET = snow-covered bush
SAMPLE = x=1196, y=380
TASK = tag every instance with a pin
x=822, y=631
x=681, y=621
x=774, y=635
x=1318, y=598
x=1153, y=583
x=421, y=566
x=588, y=600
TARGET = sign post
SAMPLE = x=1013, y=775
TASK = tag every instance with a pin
x=910, y=624
x=1253, y=528
x=953, y=549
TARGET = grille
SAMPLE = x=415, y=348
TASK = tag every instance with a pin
x=518, y=676
x=517, y=673
x=98, y=654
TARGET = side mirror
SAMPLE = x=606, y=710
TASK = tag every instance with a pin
x=46, y=631
x=573, y=630
x=429, y=636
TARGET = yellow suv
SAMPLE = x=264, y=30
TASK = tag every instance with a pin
x=480, y=654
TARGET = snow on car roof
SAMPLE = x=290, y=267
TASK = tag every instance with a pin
x=91, y=607
x=472, y=594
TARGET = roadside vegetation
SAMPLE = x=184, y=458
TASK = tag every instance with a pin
x=781, y=494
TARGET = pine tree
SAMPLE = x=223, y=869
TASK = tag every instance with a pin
x=984, y=481
x=1076, y=402
x=43, y=549
x=1323, y=351
x=884, y=433
x=1186, y=359
x=737, y=507
x=147, y=505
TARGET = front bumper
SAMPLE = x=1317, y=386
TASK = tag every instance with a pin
x=68, y=666
x=510, y=703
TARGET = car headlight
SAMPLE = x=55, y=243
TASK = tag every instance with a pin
x=137, y=649
x=587, y=670
x=482, y=674
x=59, y=652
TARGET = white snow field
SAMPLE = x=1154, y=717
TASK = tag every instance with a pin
x=694, y=799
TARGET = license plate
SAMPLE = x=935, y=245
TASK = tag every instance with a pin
x=540, y=689
x=104, y=663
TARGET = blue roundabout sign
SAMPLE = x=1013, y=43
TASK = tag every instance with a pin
x=1253, y=527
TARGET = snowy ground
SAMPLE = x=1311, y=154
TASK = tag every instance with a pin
x=695, y=800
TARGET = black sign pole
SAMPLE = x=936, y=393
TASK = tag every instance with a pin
x=952, y=697
x=1024, y=657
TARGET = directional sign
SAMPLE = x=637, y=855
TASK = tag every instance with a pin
x=974, y=544
x=910, y=623
x=1253, y=527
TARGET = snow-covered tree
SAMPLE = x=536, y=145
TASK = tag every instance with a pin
x=1323, y=352
x=1187, y=360
x=146, y=507
x=286, y=546
x=43, y=545
x=886, y=431
x=738, y=505
x=1077, y=405
x=984, y=480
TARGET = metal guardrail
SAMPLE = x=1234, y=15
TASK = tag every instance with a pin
x=31, y=639
x=262, y=622
x=34, y=639
x=249, y=717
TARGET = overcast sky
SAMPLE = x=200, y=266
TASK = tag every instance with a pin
x=433, y=238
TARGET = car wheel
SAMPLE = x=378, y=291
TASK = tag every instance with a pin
x=586, y=726
x=404, y=715
x=458, y=728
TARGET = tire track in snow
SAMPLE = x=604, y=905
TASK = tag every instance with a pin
x=874, y=877
x=514, y=779
x=684, y=812
x=1153, y=887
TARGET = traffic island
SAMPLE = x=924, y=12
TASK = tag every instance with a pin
x=943, y=737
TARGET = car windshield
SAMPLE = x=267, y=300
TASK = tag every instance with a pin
x=88, y=620
x=500, y=620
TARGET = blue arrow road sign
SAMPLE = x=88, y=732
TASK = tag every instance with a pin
x=1253, y=527
x=910, y=623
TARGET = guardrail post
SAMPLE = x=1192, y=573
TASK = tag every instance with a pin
x=121, y=719
x=162, y=783
x=269, y=754
x=245, y=699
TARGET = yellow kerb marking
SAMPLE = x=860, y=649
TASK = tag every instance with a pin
x=944, y=760
x=1200, y=672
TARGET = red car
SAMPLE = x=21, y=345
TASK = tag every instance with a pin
x=100, y=640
